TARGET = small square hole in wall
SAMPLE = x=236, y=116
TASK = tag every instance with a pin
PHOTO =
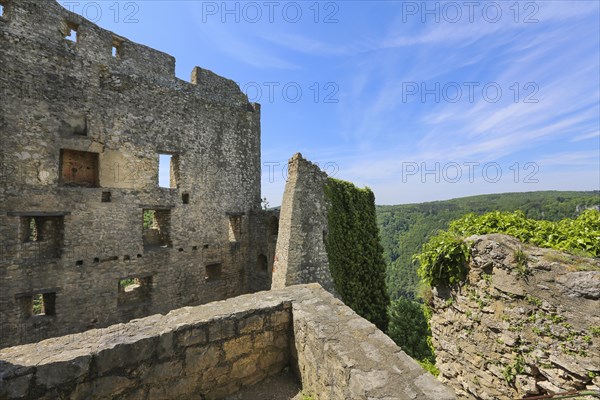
x=213, y=272
x=72, y=29
x=43, y=304
x=106, y=197
x=185, y=198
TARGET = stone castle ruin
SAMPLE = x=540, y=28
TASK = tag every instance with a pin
x=114, y=287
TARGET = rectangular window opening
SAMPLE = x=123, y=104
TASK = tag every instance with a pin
x=168, y=171
x=235, y=228
x=43, y=304
x=156, y=227
x=79, y=168
x=1, y=10
x=185, y=198
x=72, y=29
x=213, y=272
x=46, y=232
x=134, y=290
x=117, y=44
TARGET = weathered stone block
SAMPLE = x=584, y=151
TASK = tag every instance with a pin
x=56, y=374
x=236, y=347
x=200, y=359
x=221, y=329
x=244, y=367
x=251, y=324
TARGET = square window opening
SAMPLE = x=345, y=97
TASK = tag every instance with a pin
x=72, y=32
x=168, y=171
x=46, y=232
x=106, y=197
x=156, y=226
x=213, y=272
x=134, y=290
x=235, y=228
x=43, y=304
x=79, y=168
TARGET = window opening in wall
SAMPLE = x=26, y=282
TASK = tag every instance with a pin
x=78, y=168
x=43, y=304
x=117, y=47
x=134, y=290
x=106, y=197
x=213, y=272
x=262, y=264
x=1, y=10
x=168, y=171
x=156, y=229
x=235, y=228
x=72, y=29
x=185, y=198
x=46, y=232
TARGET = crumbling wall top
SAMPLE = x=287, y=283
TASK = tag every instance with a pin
x=47, y=23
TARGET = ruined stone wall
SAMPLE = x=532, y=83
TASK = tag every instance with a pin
x=213, y=350
x=81, y=132
x=524, y=324
x=300, y=256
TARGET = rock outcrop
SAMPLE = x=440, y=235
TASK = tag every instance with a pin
x=526, y=322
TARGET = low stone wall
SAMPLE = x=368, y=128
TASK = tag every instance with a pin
x=210, y=351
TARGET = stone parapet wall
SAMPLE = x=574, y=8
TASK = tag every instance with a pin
x=213, y=350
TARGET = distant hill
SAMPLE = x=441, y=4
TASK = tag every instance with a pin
x=404, y=228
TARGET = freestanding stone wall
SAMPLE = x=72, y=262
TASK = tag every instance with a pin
x=213, y=350
x=300, y=255
x=82, y=126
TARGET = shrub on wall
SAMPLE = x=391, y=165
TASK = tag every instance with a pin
x=354, y=251
x=443, y=259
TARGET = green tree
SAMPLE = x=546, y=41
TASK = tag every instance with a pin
x=409, y=328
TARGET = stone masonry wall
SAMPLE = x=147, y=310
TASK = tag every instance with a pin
x=210, y=351
x=81, y=132
x=300, y=255
x=526, y=323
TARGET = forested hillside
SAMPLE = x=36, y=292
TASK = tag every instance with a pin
x=404, y=228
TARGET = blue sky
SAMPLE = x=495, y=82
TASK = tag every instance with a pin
x=418, y=100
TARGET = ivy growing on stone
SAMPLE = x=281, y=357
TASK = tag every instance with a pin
x=355, y=253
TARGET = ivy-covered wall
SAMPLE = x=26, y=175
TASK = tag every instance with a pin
x=354, y=251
